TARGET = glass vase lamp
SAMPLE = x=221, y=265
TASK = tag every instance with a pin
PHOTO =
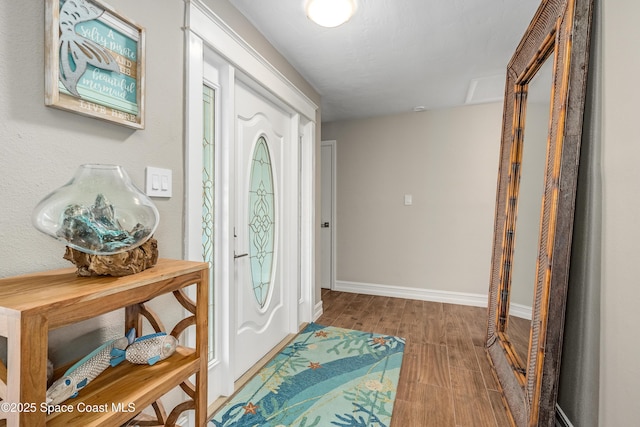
x=99, y=212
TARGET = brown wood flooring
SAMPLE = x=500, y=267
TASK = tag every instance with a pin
x=446, y=379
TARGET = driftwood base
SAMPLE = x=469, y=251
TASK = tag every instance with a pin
x=122, y=264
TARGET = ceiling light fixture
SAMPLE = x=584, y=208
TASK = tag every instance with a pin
x=330, y=13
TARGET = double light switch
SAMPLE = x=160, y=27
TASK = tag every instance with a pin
x=158, y=182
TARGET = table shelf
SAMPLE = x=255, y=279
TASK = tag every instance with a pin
x=33, y=304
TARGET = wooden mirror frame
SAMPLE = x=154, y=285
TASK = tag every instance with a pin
x=560, y=28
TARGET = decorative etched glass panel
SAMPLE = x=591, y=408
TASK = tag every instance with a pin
x=208, y=153
x=261, y=221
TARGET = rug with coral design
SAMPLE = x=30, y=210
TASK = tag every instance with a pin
x=327, y=376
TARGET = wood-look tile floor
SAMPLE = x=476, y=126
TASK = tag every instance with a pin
x=446, y=379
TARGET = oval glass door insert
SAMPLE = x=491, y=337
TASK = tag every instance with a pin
x=261, y=221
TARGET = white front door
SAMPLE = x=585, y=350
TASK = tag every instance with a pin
x=266, y=228
x=237, y=340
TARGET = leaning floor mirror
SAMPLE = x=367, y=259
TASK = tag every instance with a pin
x=537, y=179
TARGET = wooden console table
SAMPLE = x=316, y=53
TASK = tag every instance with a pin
x=31, y=305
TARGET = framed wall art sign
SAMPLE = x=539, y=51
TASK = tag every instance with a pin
x=94, y=62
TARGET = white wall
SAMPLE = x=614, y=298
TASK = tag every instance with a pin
x=620, y=346
x=448, y=161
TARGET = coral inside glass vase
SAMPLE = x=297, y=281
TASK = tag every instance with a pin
x=100, y=211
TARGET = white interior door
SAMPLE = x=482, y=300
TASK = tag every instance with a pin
x=327, y=217
x=265, y=227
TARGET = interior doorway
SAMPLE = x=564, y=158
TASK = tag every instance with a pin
x=328, y=214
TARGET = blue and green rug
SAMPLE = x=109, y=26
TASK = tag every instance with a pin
x=326, y=377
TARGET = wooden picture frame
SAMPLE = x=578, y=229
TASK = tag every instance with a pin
x=560, y=32
x=94, y=62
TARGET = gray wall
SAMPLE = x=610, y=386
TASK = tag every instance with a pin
x=448, y=161
x=42, y=146
x=599, y=384
x=530, y=194
x=579, y=372
x=620, y=153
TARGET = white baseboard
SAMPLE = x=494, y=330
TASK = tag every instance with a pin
x=462, y=298
x=521, y=311
x=561, y=418
x=449, y=297
x=317, y=311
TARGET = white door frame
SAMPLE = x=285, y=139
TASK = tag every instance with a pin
x=210, y=42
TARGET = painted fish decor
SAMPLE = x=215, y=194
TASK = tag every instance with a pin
x=86, y=370
x=148, y=349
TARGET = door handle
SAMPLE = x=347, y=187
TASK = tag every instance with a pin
x=324, y=225
x=239, y=256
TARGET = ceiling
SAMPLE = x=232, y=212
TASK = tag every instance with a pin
x=394, y=55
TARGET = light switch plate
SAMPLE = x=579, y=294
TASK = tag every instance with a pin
x=408, y=199
x=158, y=182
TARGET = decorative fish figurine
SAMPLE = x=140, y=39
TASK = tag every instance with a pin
x=148, y=349
x=86, y=370
x=76, y=51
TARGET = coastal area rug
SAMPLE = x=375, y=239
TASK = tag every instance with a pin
x=327, y=376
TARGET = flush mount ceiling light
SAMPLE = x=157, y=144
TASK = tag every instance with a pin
x=330, y=13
